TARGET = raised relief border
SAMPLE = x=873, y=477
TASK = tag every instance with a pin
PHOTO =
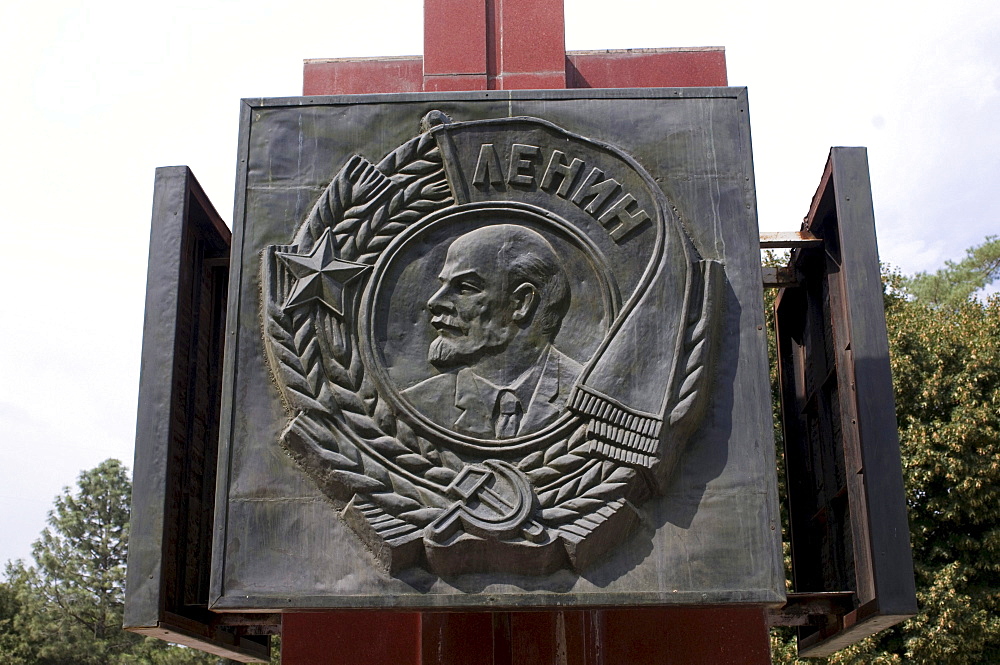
x=449, y=330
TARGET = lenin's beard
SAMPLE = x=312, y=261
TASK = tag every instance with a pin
x=464, y=343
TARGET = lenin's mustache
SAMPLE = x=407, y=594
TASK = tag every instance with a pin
x=460, y=341
x=448, y=323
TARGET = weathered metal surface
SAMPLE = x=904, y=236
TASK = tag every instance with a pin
x=778, y=277
x=847, y=508
x=812, y=609
x=166, y=592
x=468, y=396
x=493, y=349
x=788, y=239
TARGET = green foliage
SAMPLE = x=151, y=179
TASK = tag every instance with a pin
x=275, y=650
x=67, y=608
x=80, y=559
x=946, y=373
x=13, y=647
x=952, y=285
x=946, y=367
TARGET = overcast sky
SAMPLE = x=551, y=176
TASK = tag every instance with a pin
x=99, y=94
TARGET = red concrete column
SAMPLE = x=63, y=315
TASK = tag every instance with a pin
x=495, y=44
x=683, y=636
x=464, y=638
x=544, y=638
x=362, y=76
x=647, y=68
x=651, y=636
x=526, y=44
x=350, y=638
x=455, y=44
x=510, y=45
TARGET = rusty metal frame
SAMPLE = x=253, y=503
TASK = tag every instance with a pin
x=847, y=511
x=177, y=428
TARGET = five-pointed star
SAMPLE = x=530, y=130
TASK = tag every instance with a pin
x=319, y=275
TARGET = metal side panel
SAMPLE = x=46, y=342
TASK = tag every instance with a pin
x=177, y=426
x=847, y=506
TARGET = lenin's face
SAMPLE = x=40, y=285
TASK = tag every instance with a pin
x=472, y=310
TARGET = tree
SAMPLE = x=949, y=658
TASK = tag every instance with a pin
x=952, y=285
x=67, y=608
x=946, y=367
x=13, y=648
x=81, y=555
x=946, y=372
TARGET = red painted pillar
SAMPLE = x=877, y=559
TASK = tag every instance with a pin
x=494, y=45
x=652, y=636
x=351, y=638
x=510, y=45
x=526, y=44
x=686, y=636
x=455, y=45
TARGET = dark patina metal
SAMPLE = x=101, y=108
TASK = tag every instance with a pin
x=847, y=507
x=177, y=428
x=483, y=352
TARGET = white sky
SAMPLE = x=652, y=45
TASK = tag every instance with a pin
x=99, y=94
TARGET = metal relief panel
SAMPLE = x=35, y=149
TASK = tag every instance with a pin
x=497, y=351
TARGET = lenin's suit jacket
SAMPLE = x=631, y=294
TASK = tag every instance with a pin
x=464, y=402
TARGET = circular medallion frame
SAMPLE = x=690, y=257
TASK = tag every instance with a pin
x=387, y=339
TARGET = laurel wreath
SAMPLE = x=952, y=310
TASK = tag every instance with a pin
x=343, y=433
x=340, y=424
x=703, y=312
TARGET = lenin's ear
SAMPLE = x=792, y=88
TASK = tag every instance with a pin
x=525, y=301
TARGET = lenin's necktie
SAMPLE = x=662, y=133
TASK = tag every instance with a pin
x=509, y=412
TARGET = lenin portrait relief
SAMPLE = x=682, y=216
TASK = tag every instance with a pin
x=485, y=350
x=502, y=298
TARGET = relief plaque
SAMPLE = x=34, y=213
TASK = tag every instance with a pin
x=479, y=359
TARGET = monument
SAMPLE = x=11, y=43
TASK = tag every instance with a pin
x=501, y=351
x=496, y=361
